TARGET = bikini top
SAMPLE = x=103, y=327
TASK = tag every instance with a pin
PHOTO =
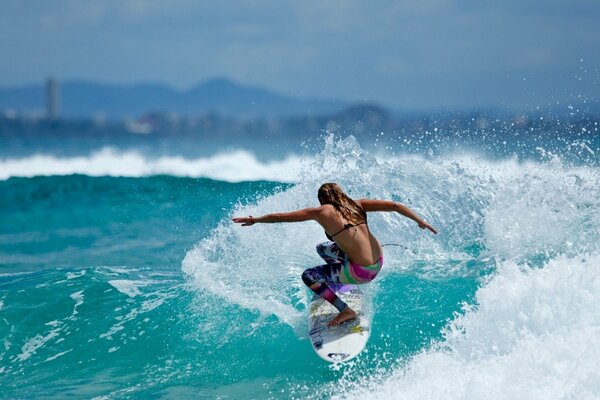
x=347, y=226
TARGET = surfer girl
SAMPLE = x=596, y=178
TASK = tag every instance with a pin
x=352, y=254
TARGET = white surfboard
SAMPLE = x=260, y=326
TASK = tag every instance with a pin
x=342, y=342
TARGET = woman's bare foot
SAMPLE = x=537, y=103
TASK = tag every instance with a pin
x=343, y=316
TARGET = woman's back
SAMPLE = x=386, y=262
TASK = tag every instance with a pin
x=354, y=239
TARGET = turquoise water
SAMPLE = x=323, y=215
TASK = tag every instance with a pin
x=136, y=285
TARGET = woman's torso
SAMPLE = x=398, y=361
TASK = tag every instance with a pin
x=356, y=240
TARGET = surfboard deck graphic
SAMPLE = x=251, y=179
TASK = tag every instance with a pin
x=343, y=342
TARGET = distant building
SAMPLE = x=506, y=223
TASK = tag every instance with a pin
x=52, y=98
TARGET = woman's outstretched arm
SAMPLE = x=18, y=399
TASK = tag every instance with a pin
x=386, y=205
x=305, y=214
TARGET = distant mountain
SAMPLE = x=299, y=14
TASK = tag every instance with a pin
x=221, y=96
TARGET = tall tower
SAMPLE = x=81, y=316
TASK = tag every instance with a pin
x=52, y=99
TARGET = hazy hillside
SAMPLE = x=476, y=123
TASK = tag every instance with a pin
x=81, y=99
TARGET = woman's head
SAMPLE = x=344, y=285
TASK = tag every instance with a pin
x=331, y=193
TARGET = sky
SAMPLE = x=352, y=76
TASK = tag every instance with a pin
x=405, y=54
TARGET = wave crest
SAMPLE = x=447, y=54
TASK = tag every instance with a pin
x=533, y=335
x=233, y=166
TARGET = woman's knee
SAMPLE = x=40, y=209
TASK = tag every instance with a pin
x=310, y=276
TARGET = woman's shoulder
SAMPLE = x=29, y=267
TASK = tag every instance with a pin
x=328, y=211
x=362, y=203
x=327, y=208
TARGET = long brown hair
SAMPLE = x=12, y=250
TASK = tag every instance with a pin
x=331, y=193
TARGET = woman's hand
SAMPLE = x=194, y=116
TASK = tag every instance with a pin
x=245, y=221
x=425, y=225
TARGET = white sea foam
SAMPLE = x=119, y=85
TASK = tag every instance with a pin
x=75, y=275
x=54, y=357
x=78, y=297
x=259, y=268
x=129, y=287
x=233, y=166
x=534, y=331
x=32, y=345
x=154, y=300
x=534, y=335
x=470, y=200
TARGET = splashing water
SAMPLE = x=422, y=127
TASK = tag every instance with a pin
x=500, y=304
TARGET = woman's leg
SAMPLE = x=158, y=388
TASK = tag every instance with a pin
x=330, y=252
x=318, y=277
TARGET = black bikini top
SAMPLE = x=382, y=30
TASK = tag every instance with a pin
x=347, y=226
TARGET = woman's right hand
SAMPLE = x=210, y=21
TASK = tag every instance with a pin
x=425, y=225
x=245, y=221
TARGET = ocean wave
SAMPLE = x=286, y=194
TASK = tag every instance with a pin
x=518, y=243
x=501, y=207
x=233, y=166
x=533, y=335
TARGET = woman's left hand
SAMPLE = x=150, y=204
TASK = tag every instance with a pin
x=245, y=221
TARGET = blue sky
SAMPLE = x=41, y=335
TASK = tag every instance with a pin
x=428, y=54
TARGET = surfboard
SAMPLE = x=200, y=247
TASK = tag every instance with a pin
x=343, y=342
